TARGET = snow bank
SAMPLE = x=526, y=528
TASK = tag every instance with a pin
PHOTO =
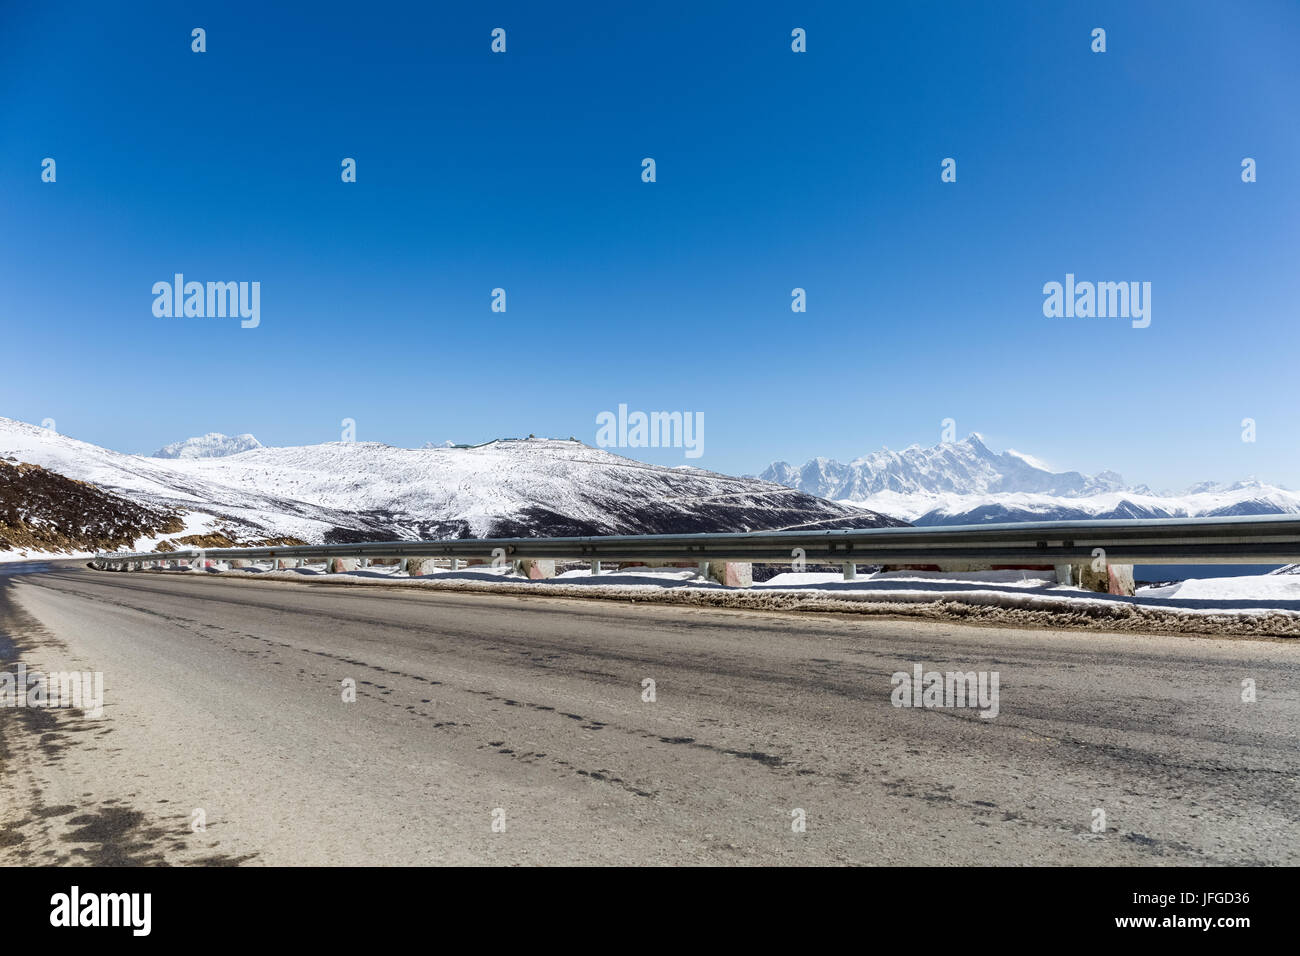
x=1268, y=588
x=1013, y=578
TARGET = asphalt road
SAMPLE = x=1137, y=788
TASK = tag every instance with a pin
x=514, y=730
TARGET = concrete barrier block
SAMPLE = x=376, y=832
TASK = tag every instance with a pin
x=732, y=574
x=1112, y=579
x=1121, y=579
x=418, y=567
x=341, y=565
x=536, y=568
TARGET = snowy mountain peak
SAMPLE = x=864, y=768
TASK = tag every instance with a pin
x=1038, y=463
x=965, y=467
x=1210, y=487
x=211, y=445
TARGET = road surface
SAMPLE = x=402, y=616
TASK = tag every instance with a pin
x=518, y=730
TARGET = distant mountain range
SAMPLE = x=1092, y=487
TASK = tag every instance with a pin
x=967, y=467
x=925, y=509
x=966, y=482
x=359, y=491
x=211, y=445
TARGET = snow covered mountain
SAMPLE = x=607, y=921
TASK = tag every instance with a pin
x=965, y=467
x=967, y=483
x=353, y=491
x=927, y=508
x=211, y=445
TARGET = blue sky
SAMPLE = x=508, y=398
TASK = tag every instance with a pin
x=775, y=170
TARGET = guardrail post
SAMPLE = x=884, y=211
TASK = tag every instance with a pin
x=595, y=565
x=703, y=569
x=455, y=564
x=850, y=571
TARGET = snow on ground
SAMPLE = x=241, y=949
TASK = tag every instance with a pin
x=196, y=522
x=902, y=578
x=16, y=557
x=1261, y=587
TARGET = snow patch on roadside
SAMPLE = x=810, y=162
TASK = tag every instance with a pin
x=1253, y=587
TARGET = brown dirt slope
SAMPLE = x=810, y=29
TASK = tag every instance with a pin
x=44, y=511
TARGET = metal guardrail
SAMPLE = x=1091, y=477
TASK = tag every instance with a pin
x=1266, y=539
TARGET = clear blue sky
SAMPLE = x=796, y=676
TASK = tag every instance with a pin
x=775, y=170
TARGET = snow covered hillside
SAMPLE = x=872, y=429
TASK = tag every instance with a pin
x=352, y=491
